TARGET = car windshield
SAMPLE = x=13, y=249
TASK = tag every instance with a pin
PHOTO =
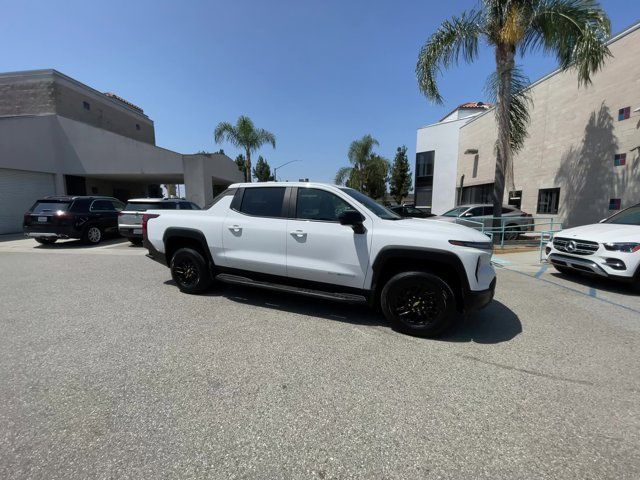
x=44, y=206
x=371, y=204
x=144, y=206
x=454, y=212
x=630, y=216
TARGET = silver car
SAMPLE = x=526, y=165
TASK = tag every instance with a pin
x=515, y=221
x=130, y=219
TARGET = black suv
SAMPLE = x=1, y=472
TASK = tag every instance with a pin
x=87, y=218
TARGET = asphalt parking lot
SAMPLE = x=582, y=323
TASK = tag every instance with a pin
x=108, y=371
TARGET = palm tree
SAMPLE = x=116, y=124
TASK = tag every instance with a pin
x=244, y=134
x=573, y=30
x=360, y=152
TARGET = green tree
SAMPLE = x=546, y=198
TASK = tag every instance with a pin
x=400, y=182
x=574, y=31
x=262, y=170
x=376, y=174
x=244, y=134
x=360, y=152
x=242, y=165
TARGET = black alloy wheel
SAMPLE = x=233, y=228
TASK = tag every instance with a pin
x=190, y=271
x=418, y=303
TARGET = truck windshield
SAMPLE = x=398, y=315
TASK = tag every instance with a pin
x=630, y=216
x=371, y=204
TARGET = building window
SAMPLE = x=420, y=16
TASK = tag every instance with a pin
x=619, y=159
x=515, y=199
x=548, y=200
x=476, y=194
x=137, y=126
x=86, y=105
x=614, y=204
x=474, y=173
x=624, y=113
x=424, y=178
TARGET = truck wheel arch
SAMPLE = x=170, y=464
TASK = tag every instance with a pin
x=175, y=238
x=391, y=260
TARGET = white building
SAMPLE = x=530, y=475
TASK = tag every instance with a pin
x=437, y=156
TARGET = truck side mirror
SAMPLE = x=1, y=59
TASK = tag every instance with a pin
x=354, y=219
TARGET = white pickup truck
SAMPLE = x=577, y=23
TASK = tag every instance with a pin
x=327, y=242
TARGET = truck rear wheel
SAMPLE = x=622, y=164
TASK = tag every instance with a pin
x=190, y=271
x=418, y=303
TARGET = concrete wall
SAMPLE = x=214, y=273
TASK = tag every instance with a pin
x=62, y=146
x=102, y=114
x=43, y=92
x=27, y=97
x=573, y=136
x=443, y=139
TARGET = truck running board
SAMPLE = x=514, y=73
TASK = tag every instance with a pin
x=335, y=296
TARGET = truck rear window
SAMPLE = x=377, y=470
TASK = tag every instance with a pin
x=144, y=206
x=43, y=206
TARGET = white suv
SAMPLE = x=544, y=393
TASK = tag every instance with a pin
x=327, y=242
x=608, y=249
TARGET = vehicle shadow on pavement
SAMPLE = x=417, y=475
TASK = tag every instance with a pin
x=494, y=324
x=605, y=285
x=342, y=312
x=78, y=244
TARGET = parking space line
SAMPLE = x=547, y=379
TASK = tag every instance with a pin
x=543, y=269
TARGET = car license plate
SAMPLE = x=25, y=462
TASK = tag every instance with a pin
x=137, y=231
x=42, y=219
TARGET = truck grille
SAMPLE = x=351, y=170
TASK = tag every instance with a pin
x=578, y=247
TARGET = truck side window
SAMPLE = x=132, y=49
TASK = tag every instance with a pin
x=263, y=201
x=316, y=204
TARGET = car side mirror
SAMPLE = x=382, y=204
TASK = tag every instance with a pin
x=468, y=214
x=354, y=219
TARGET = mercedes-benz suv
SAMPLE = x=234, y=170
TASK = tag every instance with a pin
x=609, y=249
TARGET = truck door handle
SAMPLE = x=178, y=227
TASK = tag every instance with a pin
x=235, y=228
x=298, y=233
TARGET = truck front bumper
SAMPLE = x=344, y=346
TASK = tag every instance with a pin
x=477, y=300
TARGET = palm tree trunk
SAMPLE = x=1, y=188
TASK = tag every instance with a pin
x=504, y=63
x=247, y=173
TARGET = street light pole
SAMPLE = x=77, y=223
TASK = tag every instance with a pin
x=275, y=170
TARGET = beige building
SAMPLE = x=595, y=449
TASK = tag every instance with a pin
x=581, y=160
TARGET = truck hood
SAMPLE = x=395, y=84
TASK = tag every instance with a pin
x=430, y=225
x=603, y=233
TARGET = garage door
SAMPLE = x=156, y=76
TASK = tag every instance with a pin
x=18, y=191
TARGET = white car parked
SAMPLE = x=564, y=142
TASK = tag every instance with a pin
x=327, y=242
x=608, y=249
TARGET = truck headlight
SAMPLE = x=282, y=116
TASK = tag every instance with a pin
x=626, y=247
x=480, y=245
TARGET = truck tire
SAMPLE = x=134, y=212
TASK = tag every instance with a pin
x=190, y=271
x=418, y=303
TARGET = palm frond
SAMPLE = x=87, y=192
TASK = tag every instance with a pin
x=263, y=136
x=342, y=175
x=519, y=106
x=455, y=39
x=574, y=31
x=226, y=131
x=360, y=150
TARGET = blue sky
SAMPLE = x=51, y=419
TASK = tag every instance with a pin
x=318, y=74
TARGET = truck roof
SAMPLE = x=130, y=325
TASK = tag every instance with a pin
x=283, y=184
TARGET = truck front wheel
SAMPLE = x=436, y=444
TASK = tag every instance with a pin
x=418, y=303
x=190, y=271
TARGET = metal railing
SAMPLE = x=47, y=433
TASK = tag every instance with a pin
x=542, y=227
